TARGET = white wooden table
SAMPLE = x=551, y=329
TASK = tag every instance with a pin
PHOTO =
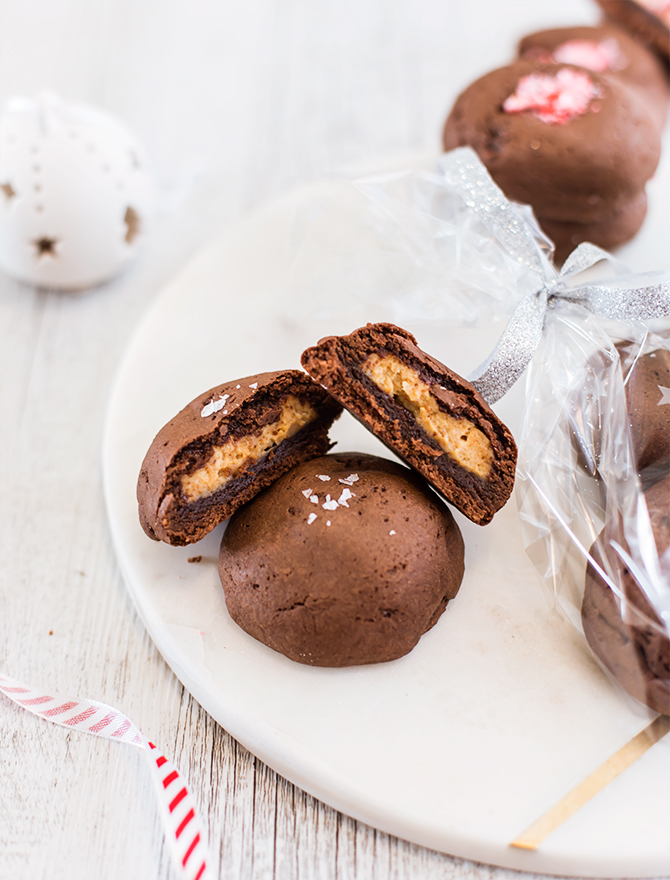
x=237, y=101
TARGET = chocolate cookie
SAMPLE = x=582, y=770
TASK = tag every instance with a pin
x=610, y=232
x=575, y=145
x=647, y=389
x=347, y=559
x=423, y=411
x=225, y=446
x=648, y=21
x=605, y=49
x=648, y=403
x=632, y=645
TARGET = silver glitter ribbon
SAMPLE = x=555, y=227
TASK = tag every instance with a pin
x=628, y=296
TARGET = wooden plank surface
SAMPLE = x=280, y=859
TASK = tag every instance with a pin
x=237, y=101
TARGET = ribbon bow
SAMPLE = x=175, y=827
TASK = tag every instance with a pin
x=627, y=297
x=493, y=253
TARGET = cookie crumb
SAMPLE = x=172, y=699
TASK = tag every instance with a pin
x=195, y=558
x=51, y=632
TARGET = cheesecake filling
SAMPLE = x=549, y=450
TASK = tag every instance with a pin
x=236, y=455
x=458, y=437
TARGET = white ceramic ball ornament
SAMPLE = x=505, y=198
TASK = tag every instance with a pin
x=76, y=195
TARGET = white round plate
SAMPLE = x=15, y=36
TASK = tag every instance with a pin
x=496, y=714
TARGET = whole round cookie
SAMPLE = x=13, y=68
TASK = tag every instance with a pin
x=576, y=145
x=347, y=559
x=632, y=644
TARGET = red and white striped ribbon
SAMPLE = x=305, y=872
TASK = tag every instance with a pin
x=183, y=828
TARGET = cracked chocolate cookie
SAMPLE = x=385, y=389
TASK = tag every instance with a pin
x=631, y=643
x=347, y=559
x=430, y=416
x=225, y=446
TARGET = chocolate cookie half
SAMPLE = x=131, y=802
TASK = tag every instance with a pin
x=225, y=446
x=626, y=634
x=423, y=411
x=347, y=559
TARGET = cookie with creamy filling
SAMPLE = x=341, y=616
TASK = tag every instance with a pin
x=225, y=446
x=423, y=411
x=347, y=559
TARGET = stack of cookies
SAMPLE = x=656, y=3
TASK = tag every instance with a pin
x=620, y=623
x=572, y=128
x=333, y=560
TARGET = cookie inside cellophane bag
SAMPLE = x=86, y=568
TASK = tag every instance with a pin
x=594, y=489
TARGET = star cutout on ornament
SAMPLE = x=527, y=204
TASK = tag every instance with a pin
x=46, y=247
x=665, y=396
x=8, y=191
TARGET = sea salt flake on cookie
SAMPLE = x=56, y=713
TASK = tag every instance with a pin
x=344, y=497
x=214, y=406
x=329, y=503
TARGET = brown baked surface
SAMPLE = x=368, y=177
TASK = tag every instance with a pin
x=353, y=583
x=473, y=432
x=633, y=647
x=648, y=417
x=641, y=23
x=610, y=232
x=640, y=67
x=241, y=423
x=581, y=171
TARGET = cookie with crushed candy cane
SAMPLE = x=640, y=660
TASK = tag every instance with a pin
x=609, y=50
x=575, y=144
x=348, y=559
x=227, y=445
